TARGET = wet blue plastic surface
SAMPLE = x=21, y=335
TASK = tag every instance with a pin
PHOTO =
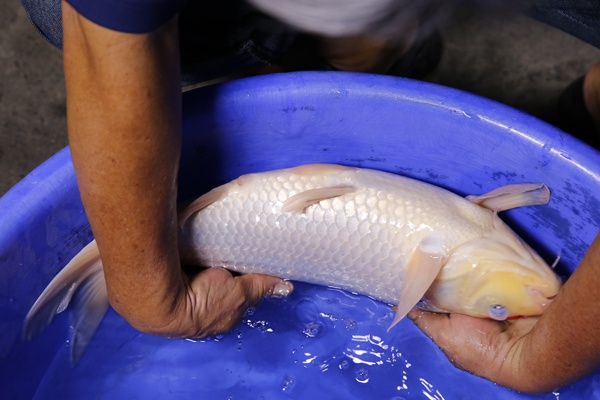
x=320, y=343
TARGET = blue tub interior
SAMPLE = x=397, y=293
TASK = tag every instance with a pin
x=321, y=341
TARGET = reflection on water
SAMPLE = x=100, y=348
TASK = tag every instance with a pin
x=430, y=392
x=319, y=343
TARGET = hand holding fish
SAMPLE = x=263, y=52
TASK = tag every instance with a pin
x=214, y=301
x=484, y=347
x=533, y=355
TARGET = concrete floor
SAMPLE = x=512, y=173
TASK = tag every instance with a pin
x=509, y=58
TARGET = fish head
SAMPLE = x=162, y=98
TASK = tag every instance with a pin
x=496, y=276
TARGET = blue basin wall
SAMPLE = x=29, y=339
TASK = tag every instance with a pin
x=459, y=141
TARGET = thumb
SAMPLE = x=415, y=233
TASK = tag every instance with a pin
x=257, y=286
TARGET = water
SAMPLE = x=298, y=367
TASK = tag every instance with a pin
x=318, y=343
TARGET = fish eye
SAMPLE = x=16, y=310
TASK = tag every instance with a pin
x=498, y=312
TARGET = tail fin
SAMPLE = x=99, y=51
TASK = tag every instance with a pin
x=81, y=280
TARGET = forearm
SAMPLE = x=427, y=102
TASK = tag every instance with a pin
x=565, y=343
x=124, y=131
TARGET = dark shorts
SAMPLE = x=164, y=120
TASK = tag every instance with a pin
x=216, y=39
x=580, y=18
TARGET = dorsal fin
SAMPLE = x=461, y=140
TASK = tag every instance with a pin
x=300, y=201
x=513, y=196
x=202, y=202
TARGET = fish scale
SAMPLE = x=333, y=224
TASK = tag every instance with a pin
x=383, y=220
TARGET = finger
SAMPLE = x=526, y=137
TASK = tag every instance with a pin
x=468, y=342
x=434, y=325
x=438, y=326
x=257, y=286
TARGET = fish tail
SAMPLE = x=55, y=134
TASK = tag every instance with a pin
x=81, y=282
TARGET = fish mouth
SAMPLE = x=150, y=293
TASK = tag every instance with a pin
x=541, y=299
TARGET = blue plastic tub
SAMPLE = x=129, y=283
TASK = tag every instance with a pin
x=321, y=342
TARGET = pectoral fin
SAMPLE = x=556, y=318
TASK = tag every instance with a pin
x=300, y=201
x=513, y=196
x=320, y=169
x=423, y=267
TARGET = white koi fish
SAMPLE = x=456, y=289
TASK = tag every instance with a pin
x=389, y=237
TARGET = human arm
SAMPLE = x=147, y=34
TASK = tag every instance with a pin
x=532, y=355
x=124, y=122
